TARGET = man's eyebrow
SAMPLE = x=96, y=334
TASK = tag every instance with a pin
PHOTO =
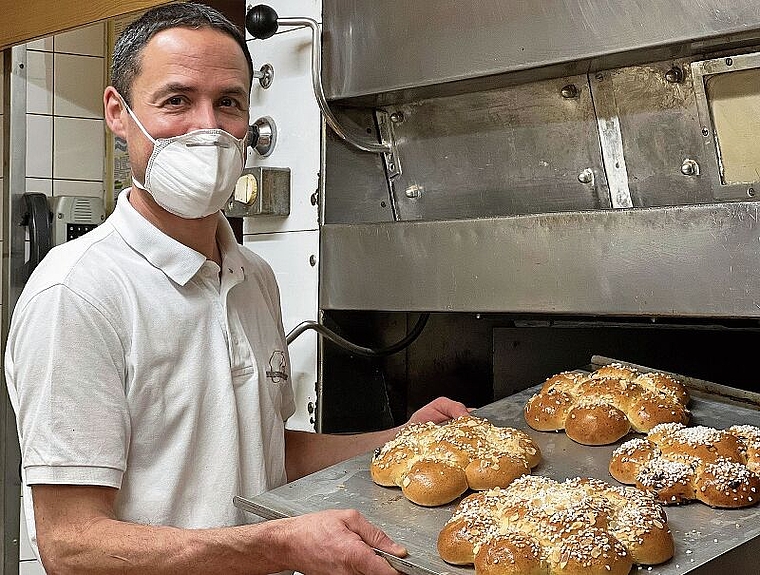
x=236, y=90
x=177, y=87
x=171, y=88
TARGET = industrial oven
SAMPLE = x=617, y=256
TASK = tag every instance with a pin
x=558, y=179
x=510, y=189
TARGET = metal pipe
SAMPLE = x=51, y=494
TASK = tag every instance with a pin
x=357, y=349
x=316, y=80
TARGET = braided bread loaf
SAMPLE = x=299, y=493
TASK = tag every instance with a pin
x=538, y=526
x=601, y=407
x=675, y=463
x=434, y=464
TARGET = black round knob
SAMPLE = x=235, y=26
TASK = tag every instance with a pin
x=261, y=21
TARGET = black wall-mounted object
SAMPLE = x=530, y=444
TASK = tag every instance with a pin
x=38, y=217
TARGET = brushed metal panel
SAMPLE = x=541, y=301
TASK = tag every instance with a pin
x=355, y=185
x=516, y=150
x=372, y=47
x=689, y=261
x=660, y=131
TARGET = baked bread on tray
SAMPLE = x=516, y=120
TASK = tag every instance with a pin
x=601, y=407
x=538, y=526
x=434, y=464
x=677, y=464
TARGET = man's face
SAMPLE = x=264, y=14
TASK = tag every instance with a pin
x=189, y=80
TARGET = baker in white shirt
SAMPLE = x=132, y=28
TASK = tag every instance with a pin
x=146, y=361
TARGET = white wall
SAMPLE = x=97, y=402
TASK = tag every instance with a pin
x=65, y=127
x=291, y=244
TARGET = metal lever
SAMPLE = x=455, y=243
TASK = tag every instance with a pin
x=262, y=23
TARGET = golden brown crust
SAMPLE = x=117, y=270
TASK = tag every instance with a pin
x=511, y=554
x=679, y=464
x=596, y=424
x=542, y=527
x=431, y=482
x=548, y=411
x=435, y=464
x=488, y=472
x=603, y=406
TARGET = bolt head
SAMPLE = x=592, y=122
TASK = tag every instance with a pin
x=586, y=176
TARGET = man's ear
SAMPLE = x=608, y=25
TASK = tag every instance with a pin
x=115, y=114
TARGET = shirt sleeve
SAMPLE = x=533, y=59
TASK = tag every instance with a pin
x=65, y=369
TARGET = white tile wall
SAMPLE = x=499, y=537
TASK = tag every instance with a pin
x=89, y=41
x=65, y=128
x=78, y=188
x=39, y=82
x=41, y=44
x=39, y=185
x=78, y=148
x=30, y=568
x=79, y=82
x=39, y=146
x=294, y=259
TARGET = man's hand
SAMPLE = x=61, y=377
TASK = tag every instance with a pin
x=337, y=542
x=439, y=410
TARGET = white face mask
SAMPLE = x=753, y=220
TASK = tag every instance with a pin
x=192, y=175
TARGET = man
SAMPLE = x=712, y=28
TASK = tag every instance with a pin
x=138, y=361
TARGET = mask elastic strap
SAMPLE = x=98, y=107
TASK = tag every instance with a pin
x=139, y=124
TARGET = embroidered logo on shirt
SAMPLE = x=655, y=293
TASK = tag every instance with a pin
x=277, y=366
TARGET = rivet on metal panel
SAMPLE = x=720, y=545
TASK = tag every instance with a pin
x=705, y=132
x=674, y=75
x=729, y=61
x=413, y=191
x=599, y=76
x=397, y=117
x=570, y=91
x=689, y=168
x=586, y=176
x=751, y=192
x=312, y=260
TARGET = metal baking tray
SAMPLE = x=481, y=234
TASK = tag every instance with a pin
x=707, y=540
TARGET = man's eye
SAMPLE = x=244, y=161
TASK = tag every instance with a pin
x=226, y=102
x=174, y=101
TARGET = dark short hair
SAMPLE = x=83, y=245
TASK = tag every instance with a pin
x=127, y=53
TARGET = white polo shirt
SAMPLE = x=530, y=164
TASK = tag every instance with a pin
x=131, y=364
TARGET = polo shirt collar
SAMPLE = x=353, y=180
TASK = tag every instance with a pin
x=179, y=262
